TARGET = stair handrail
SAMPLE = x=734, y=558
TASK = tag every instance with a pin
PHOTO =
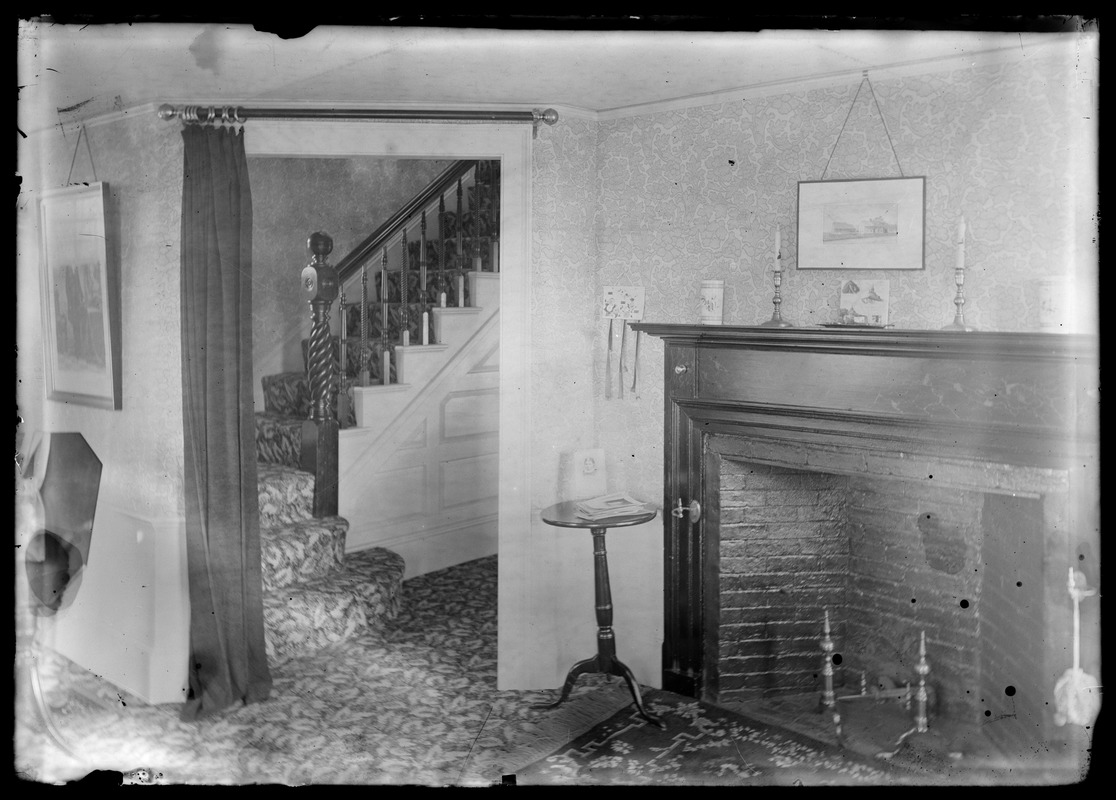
x=394, y=231
x=347, y=267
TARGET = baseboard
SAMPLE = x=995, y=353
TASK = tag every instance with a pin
x=431, y=550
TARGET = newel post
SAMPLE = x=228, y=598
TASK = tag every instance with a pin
x=319, y=433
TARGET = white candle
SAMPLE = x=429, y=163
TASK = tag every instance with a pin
x=426, y=327
x=961, y=244
x=460, y=291
x=442, y=300
x=827, y=622
x=385, y=369
x=406, y=338
x=778, y=249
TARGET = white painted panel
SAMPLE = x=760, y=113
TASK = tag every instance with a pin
x=471, y=413
x=397, y=494
x=130, y=619
x=470, y=480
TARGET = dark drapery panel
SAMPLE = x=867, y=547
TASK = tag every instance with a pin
x=228, y=662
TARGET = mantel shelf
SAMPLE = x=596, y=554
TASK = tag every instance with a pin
x=1029, y=345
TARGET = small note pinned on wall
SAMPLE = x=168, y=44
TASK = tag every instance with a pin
x=623, y=302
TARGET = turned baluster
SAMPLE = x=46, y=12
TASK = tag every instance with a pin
x=443, y=279
x=457, y=229
x=423, y=290
x=404, y=310
x=385, y=353
x=475, y=208
x=364, y=378
x=494, y=215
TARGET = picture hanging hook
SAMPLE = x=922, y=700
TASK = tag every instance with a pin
x=77, y=144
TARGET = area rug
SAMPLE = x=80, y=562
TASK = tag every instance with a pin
x=702, y=745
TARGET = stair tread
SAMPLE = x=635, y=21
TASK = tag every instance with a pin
x=286, y=494
x=374, y=575
x=363, y=595
x=302, y=549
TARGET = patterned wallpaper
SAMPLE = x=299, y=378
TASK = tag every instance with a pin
x=140, y=446
x=564, y=330
x=293, y=197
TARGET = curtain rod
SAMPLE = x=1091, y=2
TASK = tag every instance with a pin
x=238, y=114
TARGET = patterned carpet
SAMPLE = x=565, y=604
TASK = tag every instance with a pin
x=414, y=705
x=701, y=745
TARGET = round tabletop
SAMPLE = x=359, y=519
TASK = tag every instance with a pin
x=564, y=515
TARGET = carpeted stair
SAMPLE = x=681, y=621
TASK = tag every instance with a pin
x=314, y=594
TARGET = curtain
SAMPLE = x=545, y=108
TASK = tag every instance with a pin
x=228, y=662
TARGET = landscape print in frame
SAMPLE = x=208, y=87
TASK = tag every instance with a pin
x=81, y=317
x=861, y=224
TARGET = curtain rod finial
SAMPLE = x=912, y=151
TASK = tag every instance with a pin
x=167, y=111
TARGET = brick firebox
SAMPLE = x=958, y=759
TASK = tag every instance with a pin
x=888, y=559
x=908, y=481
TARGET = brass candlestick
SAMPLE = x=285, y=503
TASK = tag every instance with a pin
x=958, y=323
x=777, y=320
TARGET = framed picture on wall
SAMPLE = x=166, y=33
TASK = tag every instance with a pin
x=80, y=298
x=862, y=224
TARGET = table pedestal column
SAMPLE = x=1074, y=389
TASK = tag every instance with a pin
x=605, y=660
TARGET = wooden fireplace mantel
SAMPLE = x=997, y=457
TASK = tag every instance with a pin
x=905, y=402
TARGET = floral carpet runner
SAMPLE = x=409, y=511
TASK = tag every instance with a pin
x=701, y=745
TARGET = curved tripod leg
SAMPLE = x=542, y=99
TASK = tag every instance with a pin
x=626, y=674
x=580, y=668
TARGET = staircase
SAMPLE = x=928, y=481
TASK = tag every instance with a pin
x=315, y=592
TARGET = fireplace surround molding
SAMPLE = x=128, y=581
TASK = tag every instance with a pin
x=1002, y=414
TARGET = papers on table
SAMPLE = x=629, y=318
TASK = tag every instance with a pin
x=609, y=505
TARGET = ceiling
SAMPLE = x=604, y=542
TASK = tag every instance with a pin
x=69, y=72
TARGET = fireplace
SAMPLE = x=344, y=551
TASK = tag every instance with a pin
x=906, y=484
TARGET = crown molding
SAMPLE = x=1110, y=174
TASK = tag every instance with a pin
x=840, y=78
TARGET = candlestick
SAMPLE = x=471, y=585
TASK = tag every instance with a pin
x=958, y=323
x=777, y=320
x=426, y=327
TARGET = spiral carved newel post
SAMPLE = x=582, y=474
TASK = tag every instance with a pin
x=319, y=433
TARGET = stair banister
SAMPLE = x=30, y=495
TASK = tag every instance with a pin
x=348, y=265
x=320, y=431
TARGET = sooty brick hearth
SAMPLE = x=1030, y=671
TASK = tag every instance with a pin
x=888, y=560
